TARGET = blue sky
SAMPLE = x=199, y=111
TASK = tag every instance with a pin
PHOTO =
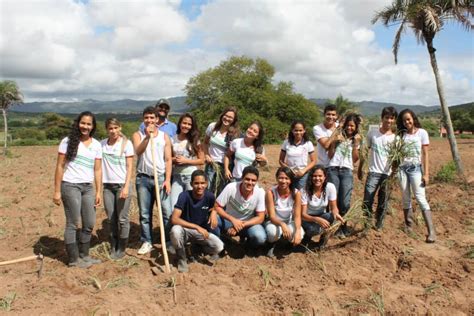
x=147, y=49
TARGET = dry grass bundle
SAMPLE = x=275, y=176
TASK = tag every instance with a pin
x=219, y=176
x=355, y=215
x=101, y=251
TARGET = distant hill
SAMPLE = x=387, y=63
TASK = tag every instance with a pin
x=178, y=106
x=369, y=108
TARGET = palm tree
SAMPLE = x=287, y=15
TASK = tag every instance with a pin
x=426, y=18
x=343, y=106
x=9, y=95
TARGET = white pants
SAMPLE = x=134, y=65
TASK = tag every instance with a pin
x=275, y=232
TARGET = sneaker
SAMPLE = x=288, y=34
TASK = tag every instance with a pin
x=145, y=248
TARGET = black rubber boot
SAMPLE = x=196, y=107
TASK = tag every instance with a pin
x=431, y=238
x=113, y=247
x=84, y=253
x=73, y=257
x=121, y=247
x=323, y=240
x=408, y=214
x=270, y=250
x=182, y=260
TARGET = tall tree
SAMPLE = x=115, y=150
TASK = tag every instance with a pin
x=247, y=84
x=426, y=18
x=9, y=95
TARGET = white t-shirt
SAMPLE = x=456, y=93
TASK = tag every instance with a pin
x=244, y=156
x=283, y=206
x=81, y=168
x=343, y=155
x=217, y=145
x=378, y=157
x=297, y=155
x=180, y=149
x=114, y=165
x=320, y=131
x=415, y=142
x=317, y=206
x=145, y=160
x=235, y=205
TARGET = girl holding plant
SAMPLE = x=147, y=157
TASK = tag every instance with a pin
x=77, y=168
x=343, y=153
x=187, y=155
x=295, y=152
x=117, y=162
x=218, y=137
x=318, y=196
x=247, y=151
x=414, y=170
x=283, y=204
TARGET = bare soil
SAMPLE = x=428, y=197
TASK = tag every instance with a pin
x=384, y=272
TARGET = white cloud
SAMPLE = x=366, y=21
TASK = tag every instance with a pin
x=146, y=49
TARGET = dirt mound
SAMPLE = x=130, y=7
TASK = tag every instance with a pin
x=384, y=272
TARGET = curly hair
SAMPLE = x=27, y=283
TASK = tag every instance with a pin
x=309, y=186
x=291, y=137
x=402, y=130
x=75, y=135
x=234, y=129
x=192, y=136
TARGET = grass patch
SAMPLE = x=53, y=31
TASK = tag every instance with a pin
x=435, y=288
x=266, y=276
x=405, y=259
x=470, y=253
x=6, y=302
x=121, y=281
x=101, y=251
x=128, y=262
x=375, y=301
x=316, y=260
x=447, y=173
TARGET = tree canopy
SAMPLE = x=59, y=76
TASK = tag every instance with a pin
x=247, y=84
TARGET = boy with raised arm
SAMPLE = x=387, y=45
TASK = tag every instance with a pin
x=323, y=133
x=145, y=184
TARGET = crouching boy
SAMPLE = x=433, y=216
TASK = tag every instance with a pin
x=193, y=219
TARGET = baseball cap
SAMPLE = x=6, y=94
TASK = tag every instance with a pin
x=163, y=103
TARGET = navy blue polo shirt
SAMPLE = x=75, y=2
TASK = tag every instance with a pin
x=195, y=211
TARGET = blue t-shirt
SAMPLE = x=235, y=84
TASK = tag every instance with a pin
x=167, y=127
x=195, y=211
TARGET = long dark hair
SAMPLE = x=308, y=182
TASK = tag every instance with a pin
x=309, y=187
x=192, y=136
x=354, y=118
x=402, y=130
x=234, y=129
x=75, y=135
x=287, y=171
x=291, y=137
x=258, y=141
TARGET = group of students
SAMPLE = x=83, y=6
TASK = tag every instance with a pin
x=201, y=206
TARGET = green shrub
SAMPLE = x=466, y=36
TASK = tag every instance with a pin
x=447, y=173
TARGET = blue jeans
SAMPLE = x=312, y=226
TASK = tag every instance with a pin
x=300, y=183
x=146, y=196
x=312, y=229
x=255, y=234
x=215, y=178
x=411, y=179
x=78, y=200
x=342, y=179
x=180, y=183
x=375, y=181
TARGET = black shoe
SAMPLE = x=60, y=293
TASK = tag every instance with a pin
x=270, y=250
x=182, y=260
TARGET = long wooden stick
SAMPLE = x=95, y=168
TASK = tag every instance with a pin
x=158, y=204
x=35, y=257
